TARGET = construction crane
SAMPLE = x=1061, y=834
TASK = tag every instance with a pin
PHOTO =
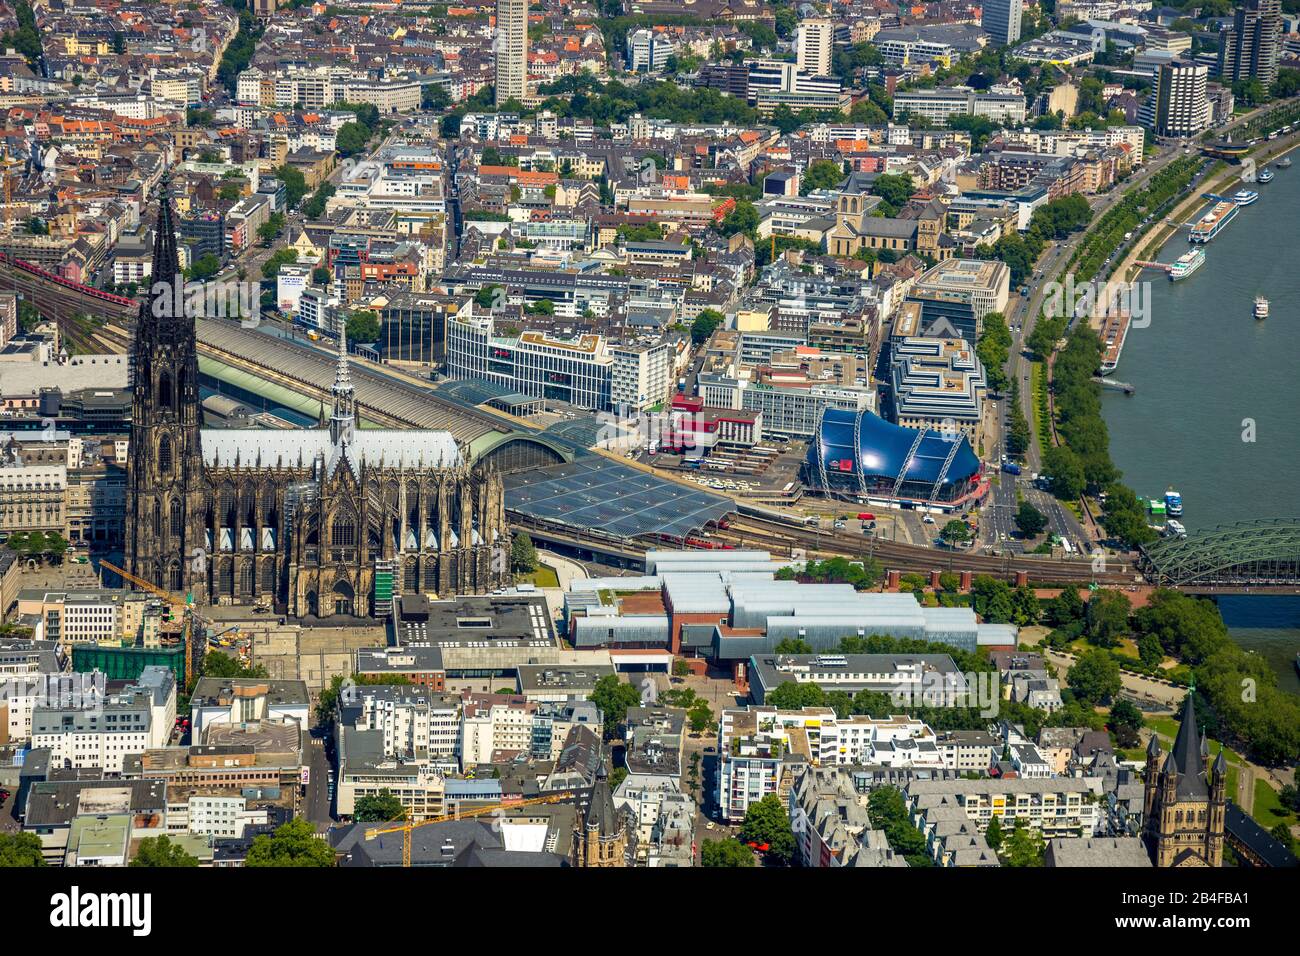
x=405, y=828
x=174, y=600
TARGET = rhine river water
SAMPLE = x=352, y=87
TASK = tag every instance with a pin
x=1203, y=367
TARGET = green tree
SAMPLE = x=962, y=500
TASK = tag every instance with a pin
x=434, y=97
x=320, y=276
x=351, y=139
x=993, y=349
x=1024, y=606
x=992, y=599
x=161, y=851
x=793, y=645
x=887, y=810
x=744, y=218
x=1025, y=847
x=614, y=697
x=705, y=324
x=1125, y=721
x=993, y=835
x=205, y=267
x=523, y=554
x=1095, y=678
x=1066, y=608
x=700, y=716
x=1106, y=617
x=217, y=664
x=822, y=174
x=382, y=807
x=295, y=184
x=20, y=849
x=894, y=191
x=327, y=703
x=1149, y=650
x=725, y=853
x=767, y=823
x=294, y=844
x=1282, y=834
x=485, y=297
x=267, y=231
x=1068, y=479
x=271, y=267
x=314, y=207
x=1030, y=520
x=955, y=532
x=1188, y=628
x=796, y=695
x=363, y=326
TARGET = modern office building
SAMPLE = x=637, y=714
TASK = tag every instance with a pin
x=412, y=328
x=1178, y=105
x=577, y=370
x=813, y=46
x=1249, y=49
x=511, y=48
x=640, y=376
x=937, y=105
x=938, y=384
x=983, y=284
x=648, y=50
x=774, y=83
x=1001, y=20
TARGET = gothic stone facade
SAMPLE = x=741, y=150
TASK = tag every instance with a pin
x=1185, y=799
x=295, y=520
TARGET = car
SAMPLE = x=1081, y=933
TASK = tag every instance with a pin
x=928, y=519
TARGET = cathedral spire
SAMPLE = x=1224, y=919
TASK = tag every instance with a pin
x=344, y=417
x=165, y=264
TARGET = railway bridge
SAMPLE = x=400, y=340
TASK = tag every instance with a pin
x=1245, y=557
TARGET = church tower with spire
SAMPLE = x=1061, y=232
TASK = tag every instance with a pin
x=165, y=541
x=344, y=417
x=1185, y=798
x=325, y=522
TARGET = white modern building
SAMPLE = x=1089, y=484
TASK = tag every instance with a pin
x=511, y=50
x=1000, y=19
x=813, y=46
x=937, y=105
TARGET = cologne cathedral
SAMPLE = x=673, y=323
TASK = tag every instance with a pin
x=311, y=522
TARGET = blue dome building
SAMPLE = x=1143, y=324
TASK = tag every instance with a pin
x=862, y=455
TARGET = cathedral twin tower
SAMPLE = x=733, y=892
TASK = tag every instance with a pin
x=303, y=521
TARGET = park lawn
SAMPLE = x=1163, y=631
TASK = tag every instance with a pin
x=1128, y=647
x=1267, y=805
x=543, y=577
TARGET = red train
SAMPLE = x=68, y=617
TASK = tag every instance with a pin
x=709, y=545
x=77, y=287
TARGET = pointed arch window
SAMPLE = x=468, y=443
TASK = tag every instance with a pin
x=165, y=455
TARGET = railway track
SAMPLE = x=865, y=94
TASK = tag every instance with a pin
x=781, y=538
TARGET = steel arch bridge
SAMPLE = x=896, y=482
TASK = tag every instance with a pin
x=1249, y=553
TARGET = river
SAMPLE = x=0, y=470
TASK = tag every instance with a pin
x=1217, y=392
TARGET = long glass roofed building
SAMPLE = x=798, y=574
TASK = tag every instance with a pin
x=860, y=455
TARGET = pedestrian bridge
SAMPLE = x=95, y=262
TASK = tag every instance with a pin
x=1262, y=554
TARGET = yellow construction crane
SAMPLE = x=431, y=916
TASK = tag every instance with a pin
x=141, y=583
x=405, y=828
x=174, y=600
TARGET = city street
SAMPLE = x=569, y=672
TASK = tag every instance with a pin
x=318, y=804
x=1051, y=268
